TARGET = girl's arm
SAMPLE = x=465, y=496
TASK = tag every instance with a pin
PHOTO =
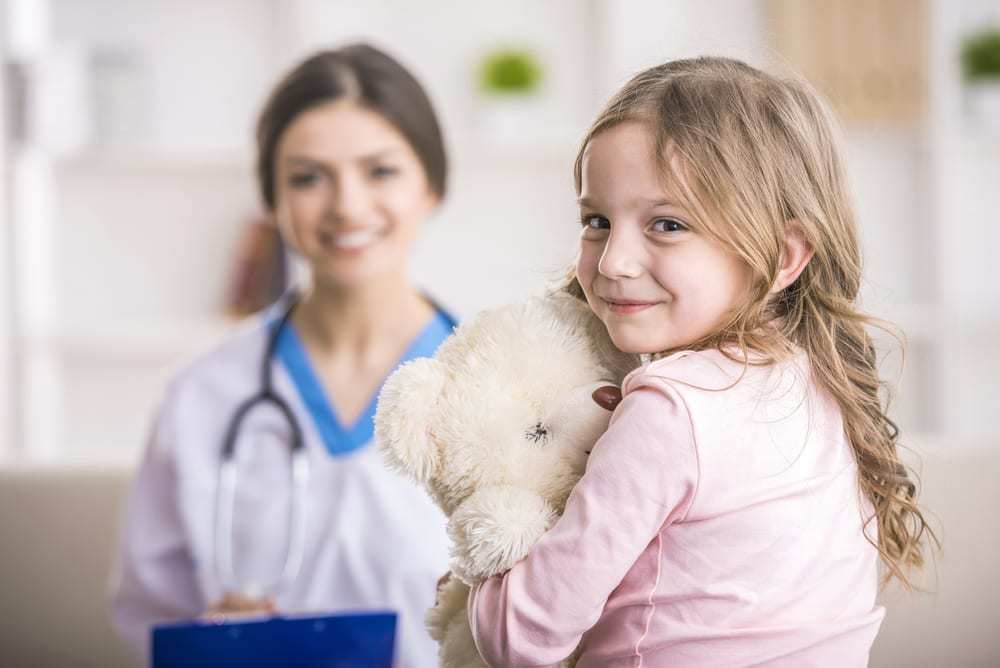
x=641, y=476
x=155, y=571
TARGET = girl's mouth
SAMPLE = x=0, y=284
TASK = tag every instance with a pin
x=628, y=307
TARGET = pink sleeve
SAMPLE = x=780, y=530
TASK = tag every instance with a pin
x=641, y=476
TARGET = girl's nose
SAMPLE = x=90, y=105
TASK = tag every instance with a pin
x=621, y=257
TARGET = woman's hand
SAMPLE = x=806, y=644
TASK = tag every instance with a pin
x=607, y=397
x=236, y=605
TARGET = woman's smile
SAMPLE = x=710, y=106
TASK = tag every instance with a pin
x=352, y=241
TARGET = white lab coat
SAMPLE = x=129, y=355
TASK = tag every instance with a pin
x=374, y=540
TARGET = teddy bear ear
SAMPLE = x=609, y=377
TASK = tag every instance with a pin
x=403, y=418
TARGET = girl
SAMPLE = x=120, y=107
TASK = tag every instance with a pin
x=735, y=510
x=350, y=164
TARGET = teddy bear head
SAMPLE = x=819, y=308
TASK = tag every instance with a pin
x=505, y=402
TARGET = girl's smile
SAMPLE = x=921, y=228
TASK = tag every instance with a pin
x=627, y=306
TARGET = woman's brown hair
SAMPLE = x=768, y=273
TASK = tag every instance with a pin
x=371, y=79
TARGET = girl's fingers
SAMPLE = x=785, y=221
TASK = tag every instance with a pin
x=607, y=397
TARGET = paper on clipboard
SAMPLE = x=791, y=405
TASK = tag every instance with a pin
x=357, y=640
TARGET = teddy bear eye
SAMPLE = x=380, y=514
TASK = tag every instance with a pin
x=537, y=433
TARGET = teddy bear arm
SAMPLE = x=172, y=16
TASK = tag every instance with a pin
x=495, y=528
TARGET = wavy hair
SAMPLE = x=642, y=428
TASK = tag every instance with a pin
x=751, y=152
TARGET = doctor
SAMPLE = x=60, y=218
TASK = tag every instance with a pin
x=350, y=165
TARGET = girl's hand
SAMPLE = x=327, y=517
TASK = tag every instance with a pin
x=607, y=397
x=235, y=605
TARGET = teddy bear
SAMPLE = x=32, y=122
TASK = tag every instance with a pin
x=497, y=426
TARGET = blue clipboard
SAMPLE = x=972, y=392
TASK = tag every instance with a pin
x=362, y=640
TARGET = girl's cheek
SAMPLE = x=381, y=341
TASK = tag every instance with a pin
x=590, y=256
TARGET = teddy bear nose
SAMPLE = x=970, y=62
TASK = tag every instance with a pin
x=607, y=397
x=537, y=433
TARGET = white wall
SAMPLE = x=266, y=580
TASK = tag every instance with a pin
x=635, y=35
x=963, y=204
x=203, y=67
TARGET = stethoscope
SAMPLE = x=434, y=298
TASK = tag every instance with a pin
x=298, y=473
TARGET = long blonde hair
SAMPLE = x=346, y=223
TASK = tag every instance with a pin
x=752, y=152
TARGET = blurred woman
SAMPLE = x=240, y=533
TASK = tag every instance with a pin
x=350, y=165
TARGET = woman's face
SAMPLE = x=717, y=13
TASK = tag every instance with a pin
x=350, y=193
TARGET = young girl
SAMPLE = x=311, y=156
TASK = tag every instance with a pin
x=735, y=511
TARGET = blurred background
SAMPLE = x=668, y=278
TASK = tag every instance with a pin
x=129, y=236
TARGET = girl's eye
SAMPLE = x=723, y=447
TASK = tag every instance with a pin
x=383, y=172
x=595, y=222
x=303, y=179
x=668, y=225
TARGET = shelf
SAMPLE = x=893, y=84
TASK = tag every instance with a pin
x=474, y=150
x=925, y=321
x=73, y=461
x=138, y=161
x=140, y=338
x=917, y=445
x=469, y=151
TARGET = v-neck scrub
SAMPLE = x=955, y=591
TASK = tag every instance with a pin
x=341, y=439
x=359, y=513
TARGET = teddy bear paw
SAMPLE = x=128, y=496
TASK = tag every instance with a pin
x=494, y=529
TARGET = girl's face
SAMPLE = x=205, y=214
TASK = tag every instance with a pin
x=655, y=281
x=350, y=193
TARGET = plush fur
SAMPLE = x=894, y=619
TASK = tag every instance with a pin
x=498, y=427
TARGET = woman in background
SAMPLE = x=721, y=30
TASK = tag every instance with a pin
x=350, y=165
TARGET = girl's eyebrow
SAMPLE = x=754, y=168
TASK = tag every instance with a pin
x=654, y=203
x=649, y=202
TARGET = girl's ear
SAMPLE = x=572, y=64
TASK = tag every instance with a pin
x=406, y=406
x=795, y=255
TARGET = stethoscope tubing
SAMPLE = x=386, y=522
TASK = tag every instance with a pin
x=299, y=474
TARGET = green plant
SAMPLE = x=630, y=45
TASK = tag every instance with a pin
x=510, y=71
x=981, y=55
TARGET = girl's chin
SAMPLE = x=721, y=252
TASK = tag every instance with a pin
x=632, y=341
x=632, y=346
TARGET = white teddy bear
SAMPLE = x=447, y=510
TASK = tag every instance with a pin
x=497, y=427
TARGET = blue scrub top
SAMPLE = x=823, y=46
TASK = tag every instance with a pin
x=338, y=438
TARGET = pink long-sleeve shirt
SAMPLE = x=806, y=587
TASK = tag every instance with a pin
x=719, y=523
